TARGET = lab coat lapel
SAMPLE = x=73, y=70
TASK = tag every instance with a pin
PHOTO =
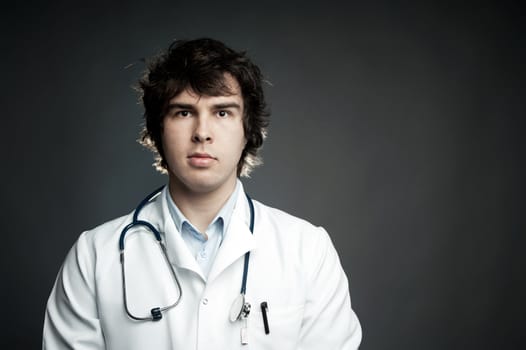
x=177, y=250
x=237, y=240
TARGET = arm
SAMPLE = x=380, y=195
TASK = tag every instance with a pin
x=71, y=320
x=328, y=322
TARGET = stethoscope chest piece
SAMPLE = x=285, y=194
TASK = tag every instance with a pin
x=239, y=309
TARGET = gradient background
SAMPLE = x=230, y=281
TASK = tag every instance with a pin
x=397, y=127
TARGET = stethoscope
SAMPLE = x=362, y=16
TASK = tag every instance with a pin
x=240, y=308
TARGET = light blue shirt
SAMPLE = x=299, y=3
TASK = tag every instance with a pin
x=204, y=250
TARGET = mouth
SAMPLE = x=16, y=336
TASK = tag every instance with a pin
x=201, y=160
x=200, y=155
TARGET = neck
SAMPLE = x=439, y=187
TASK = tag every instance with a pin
x=200, y=208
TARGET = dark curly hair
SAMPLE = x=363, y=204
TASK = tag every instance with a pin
x=201, y=65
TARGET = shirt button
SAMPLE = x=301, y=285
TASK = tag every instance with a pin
x=202, y=254
x=205, y=301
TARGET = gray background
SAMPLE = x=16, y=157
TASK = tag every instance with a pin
x=398, y=127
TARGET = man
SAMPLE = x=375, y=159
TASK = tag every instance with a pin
x=237, y=274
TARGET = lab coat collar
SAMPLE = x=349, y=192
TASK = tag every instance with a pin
x=236, y=243
x=239, y=239
x=178, y=253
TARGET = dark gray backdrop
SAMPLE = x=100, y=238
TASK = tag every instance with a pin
x=399, y=128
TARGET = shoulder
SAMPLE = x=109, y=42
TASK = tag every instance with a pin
x=278, y=216
x=106, y=233
x=98, y=246
x=290, y=229
x=101, y=243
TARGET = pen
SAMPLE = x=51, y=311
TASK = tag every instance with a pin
x=264, y=309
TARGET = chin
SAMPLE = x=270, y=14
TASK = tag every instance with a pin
x=202, y=186
x=198, y=183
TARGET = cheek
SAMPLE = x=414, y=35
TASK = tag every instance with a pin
x=171, y=141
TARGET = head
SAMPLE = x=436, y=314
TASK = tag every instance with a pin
x=201, y=66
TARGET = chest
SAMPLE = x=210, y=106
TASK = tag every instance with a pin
x=201, y=319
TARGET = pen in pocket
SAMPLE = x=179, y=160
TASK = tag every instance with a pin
x=264, y=310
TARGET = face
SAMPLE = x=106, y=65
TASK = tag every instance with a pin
x=203, y=138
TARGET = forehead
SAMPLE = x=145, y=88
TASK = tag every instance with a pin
x=226, y=89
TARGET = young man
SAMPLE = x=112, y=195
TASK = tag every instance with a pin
x=231, y=273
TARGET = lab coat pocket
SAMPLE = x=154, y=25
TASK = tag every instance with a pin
x=284, y=323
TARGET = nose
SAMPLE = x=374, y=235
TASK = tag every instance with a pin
x=202, y=131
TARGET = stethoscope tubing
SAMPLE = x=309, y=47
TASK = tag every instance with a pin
x=156, y=312
x=247, y=254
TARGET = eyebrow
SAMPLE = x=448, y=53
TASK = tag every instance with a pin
x=180, y=106
x=227, y=105
x=190, y=106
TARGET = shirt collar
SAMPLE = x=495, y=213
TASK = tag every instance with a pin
x=224, y=214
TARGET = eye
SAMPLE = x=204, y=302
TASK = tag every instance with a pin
x=182, y=113
x=222, y=114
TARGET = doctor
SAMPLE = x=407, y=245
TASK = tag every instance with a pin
x=205, y=117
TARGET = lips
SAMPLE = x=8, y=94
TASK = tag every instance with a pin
x=201, y=160
x=200, y=155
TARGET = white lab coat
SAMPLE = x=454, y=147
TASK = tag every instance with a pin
x=293, y=267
